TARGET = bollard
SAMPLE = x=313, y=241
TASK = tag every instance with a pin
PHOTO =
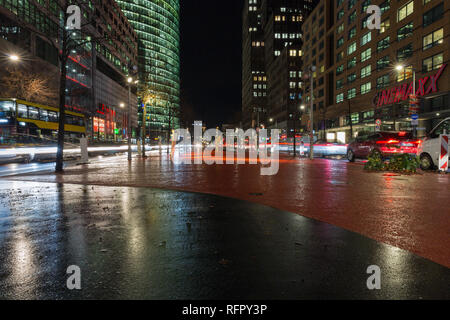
x=302, y=149
x=139, y=147
x=84, y=151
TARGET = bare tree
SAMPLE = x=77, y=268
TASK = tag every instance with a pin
x=30, y=86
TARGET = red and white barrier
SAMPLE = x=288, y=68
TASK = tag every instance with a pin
x=443, y=158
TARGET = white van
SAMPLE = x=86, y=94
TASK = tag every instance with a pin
x=430, y=149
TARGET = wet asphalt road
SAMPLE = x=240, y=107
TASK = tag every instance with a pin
x=406, y=211
x=143, y=243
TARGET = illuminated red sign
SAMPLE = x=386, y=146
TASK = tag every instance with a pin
x=403, y=92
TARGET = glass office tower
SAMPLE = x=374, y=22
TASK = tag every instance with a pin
x=156, y=23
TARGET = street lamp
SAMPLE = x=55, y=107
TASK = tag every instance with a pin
x=14, y=57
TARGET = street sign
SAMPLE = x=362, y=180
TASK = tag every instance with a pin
x=415, y=120
x=378, y=125
x=414, y=105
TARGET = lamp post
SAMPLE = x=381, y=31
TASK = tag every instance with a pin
x=15, y=58
x=144, y=123
x=122, y=105
x=401, y=68
x=130, y=82
x=312, y=69
x=129, y=118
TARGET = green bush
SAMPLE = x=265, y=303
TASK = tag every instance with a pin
x=402, y=163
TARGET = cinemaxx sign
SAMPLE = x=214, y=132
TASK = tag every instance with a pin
x=426, y=86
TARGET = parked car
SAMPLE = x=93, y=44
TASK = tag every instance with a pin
x=385, y=144
x=430, y=149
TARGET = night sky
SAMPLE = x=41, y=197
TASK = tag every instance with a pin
x=211, y=33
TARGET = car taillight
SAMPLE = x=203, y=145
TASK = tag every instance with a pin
x=388, y=142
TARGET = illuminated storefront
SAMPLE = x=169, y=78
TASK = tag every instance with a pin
x=110, y=124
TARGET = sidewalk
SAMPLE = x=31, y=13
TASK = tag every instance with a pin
x=143, y=243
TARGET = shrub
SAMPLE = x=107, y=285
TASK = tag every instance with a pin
x=402, y=163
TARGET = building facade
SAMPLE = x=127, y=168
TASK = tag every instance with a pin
x=272, y=53
x=254, y=78
x=156, y=23
x=365, y=77
x=112, y=59
x=96, y=83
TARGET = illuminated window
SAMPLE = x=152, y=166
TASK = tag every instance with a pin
x=433, y=39
x=366, y=54
x=351, y=63
x=385, y=25
x=366, y=38
x=366, y=71
x=352, y=33
x=366, y=87
x=351, y=48
x=405, y=11
x=405, y=74
x=433, y=63
x=351, y=93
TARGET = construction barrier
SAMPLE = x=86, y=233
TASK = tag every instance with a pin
x=443, y=158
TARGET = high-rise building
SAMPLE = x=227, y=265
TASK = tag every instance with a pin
x=254, y=79
x=96, y=71
x=365, y=77
x=272, y=41
x=156, y=23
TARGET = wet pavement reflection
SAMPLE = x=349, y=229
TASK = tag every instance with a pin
x=143, y=243
x=409, y=212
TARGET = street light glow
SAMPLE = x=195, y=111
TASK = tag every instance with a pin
x=130, y=80
x=122, y=105
x=14, y=57
x=399, y=67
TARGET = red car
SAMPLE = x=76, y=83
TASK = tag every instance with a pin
x=383, y=143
